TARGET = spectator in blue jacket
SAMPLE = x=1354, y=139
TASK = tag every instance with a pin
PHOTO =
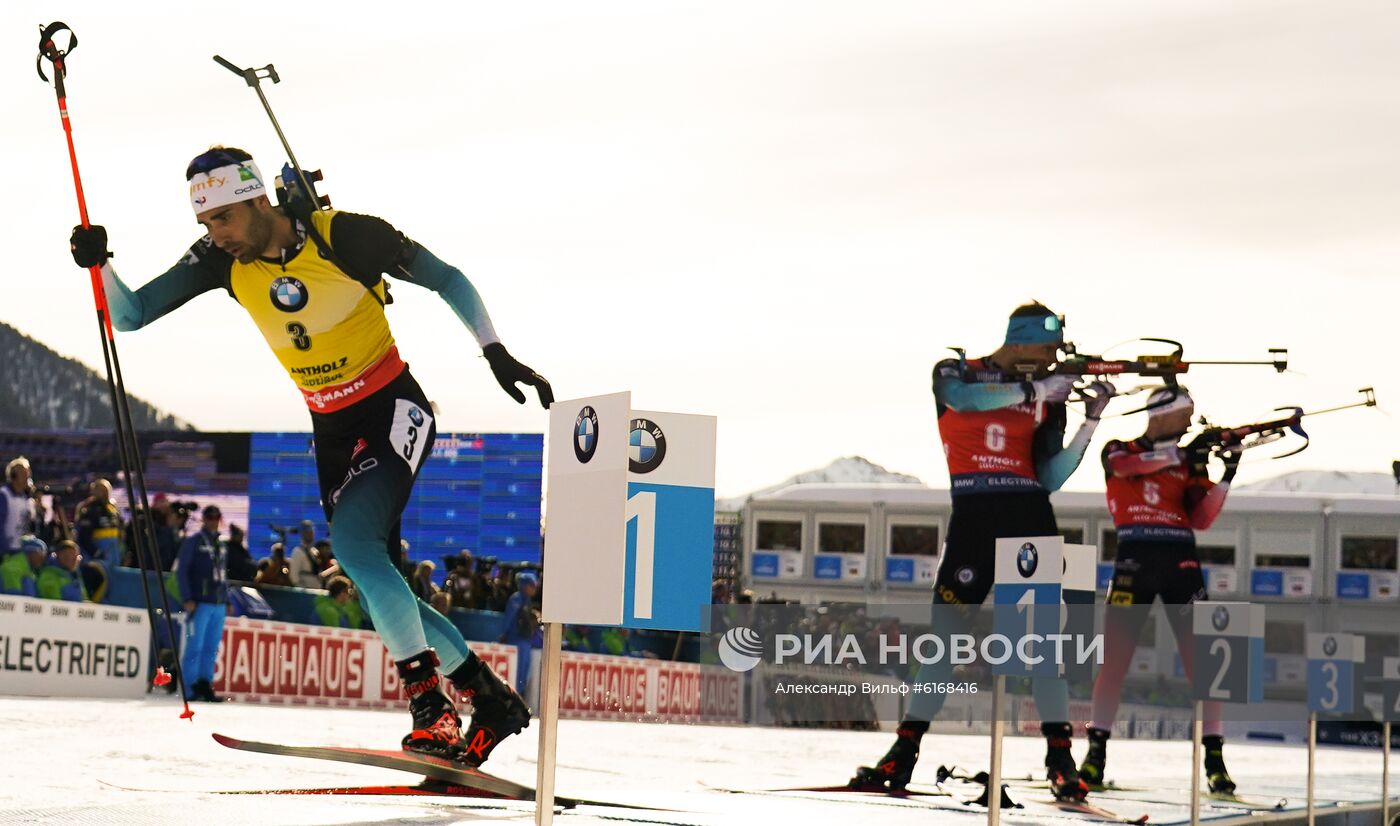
x=201, y=569
x=520, y=623
x=19, y=571
x=60, y=578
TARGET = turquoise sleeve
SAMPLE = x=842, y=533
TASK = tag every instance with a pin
x=429, y=271
x=1054, y=470
x=134, y=309
x=952, y=391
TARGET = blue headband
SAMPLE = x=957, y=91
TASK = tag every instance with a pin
x=1035, y=329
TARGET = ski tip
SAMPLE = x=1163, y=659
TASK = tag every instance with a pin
x=225, y=740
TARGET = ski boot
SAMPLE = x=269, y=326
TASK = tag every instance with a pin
x=437, y=730
x=1216, y=775
x=1091, y=770
x=204, y=692
x=893, y=771
x=497, y=711
x=1060, y=769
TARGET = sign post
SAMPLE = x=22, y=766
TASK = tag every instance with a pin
x=629, y=534
x=1077, y=592
x=1390, y=712
x=1332, y=684
x=585, y=533
x=1228, y=648
x=1026, y=601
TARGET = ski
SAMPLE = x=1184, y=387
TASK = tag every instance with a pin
x=1026, y=781
x=1085, y=808
x=856, y=789
x=1213, y=800
x=435, y=768
x=428, y=788
x=1068, y=809
x=1248, y=803
x=942, y=801
x=1071, y=806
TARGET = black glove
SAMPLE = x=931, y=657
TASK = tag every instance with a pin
x=509, y=371
x=89, y=245
x=1231, y=457
x=1197, y=453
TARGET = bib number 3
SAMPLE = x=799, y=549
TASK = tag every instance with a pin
x=411, y=432
x=300, y=339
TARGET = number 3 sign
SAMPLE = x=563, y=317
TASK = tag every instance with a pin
x=1332, y=672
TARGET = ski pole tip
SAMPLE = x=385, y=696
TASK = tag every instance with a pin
x=162, y=677
x=187, y=714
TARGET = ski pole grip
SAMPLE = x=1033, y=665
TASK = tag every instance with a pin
x=232, y=68
x=250, y=76
x=48, y=50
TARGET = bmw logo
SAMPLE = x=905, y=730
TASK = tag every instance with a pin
x=965, y=575
x=1027, y=559
x=648, y=446
x=416, y=416
x=1220, y=618
x=585, y=434
x=1329, y=646
x=288, y=294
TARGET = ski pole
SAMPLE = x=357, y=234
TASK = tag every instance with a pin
x=128, y=447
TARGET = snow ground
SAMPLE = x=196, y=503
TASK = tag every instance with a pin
x=61, y=755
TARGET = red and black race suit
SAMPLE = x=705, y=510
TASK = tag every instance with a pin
x=1156, y=506
x=994, y=451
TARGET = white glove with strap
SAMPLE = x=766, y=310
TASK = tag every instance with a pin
x=1051, y=389
x=1096, y=397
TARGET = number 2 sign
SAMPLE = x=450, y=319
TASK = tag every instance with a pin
x=1228, y=644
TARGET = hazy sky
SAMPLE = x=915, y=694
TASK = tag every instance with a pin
x=776, y=213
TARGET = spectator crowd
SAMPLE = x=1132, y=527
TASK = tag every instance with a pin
x=63, y=544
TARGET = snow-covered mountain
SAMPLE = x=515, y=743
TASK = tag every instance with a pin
x=846, y=470
x=45, y=391
x=1326, y=481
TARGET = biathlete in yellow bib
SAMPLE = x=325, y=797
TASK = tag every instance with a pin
x=314, y=286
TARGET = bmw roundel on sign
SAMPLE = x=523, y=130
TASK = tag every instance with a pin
x=1329, y=646
x=585, y=434
x=1027, y=560
x=1220, y=618
x=288, y=294
x=647, y=446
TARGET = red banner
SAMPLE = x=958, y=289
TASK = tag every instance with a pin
x=279, y=662
x=287, y=663
x=599, y=687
